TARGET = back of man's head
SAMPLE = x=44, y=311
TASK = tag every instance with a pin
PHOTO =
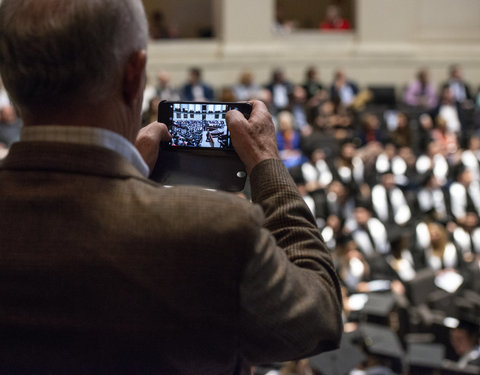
x=55, y=52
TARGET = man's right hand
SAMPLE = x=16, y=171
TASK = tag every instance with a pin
x=253, y=139
x=148, y=142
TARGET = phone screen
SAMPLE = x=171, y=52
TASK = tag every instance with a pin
x=199, y=125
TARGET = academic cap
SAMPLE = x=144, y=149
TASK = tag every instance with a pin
x=340, y=361
x=425, y=355
x=379, y=305
x=381, y=341
x=421, y=286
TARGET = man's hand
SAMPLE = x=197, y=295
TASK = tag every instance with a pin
x=148, y=142
x=253, y=139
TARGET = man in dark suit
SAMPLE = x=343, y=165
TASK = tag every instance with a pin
x=458, y=86
x=343, y=90
x=104, y=271
x=195, y=89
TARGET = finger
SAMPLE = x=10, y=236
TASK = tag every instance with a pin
x=148, y=141
x=156, y=131
x=235, y=117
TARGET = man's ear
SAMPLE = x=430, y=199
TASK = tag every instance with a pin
x=134, y=77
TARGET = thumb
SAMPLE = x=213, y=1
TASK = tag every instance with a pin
x=148, y=141
x=234, y=119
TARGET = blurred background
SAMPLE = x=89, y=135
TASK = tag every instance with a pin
x=387, y=41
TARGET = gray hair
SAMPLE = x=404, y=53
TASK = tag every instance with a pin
x=52, y=51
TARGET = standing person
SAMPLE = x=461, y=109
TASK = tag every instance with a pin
x=451, y=111
x=459, y=87
x=195, y=89
x=246, y=88
x=105, y=271
x=312, y=84
x=281, y=90
x=342, y=89
x=421, y=92
x=164, y=88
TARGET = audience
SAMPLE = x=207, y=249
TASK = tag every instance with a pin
x=395, y=193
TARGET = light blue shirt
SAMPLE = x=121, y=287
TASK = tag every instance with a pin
x=86, y=136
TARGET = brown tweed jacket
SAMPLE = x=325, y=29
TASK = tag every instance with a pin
x=103, y=271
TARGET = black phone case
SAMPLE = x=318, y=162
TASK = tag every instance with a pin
x=211, y=169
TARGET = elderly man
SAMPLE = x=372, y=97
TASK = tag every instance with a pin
x=103, y=270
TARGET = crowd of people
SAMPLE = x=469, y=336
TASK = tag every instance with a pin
x=199, y=133
x=394, y=185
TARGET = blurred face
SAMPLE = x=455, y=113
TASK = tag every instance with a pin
x=246, y=78
x=471, y=220
x=423, y=76
x=278, y=76
x=340, y=76
x=348, y=151
x=327, y=108
x=475, y=143
x=362, y=215
x=285, y=121
x=461, y=341
x=332, y=13
x=456, y=73
x=334, y=222
x=388, y=181
x=299, y=94
x=390, y=150
x=318, y=155
x=447, y=96
x=402, y=121
x=163, y=79
x=194, y=77
x=338, y=189
x=372, y=122
x=434, y=231
x=407, y=154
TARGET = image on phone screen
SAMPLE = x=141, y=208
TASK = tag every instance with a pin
x=199, y=125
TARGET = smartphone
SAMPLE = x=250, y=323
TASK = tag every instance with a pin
x=199, y=125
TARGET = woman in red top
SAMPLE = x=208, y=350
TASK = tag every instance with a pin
x=333, y=20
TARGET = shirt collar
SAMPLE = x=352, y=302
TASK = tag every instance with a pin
x=86, y=136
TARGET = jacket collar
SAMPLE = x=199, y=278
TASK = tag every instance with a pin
x=69, y=158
